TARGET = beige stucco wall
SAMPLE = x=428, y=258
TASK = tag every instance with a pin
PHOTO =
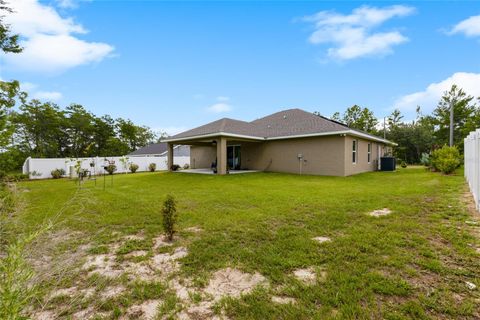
x=361, y=164
x=202, y=156
x=328, y=155
x=321, y=156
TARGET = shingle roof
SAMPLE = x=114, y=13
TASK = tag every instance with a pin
x=295, y=122
x=160, y=148
x=222, y=125
x=286, y=123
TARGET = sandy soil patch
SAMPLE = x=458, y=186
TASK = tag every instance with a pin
x=44, y=315
x=111, y=292
x=194, y=229
x=161, y=241
x=138, y=236
x=182, y=288
x=199, y=311
x=84, y=314
x=136, y=253
x=103, y=264
x=69, y=292
x=233, y=283
x=141, y=271
x=380, y=212
x=308, y=275
x=321, y=239
x=166, y=262
x=147, y=310
x=283, y=300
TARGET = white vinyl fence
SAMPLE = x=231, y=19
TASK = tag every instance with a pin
x=472, y=164
x=41, y=168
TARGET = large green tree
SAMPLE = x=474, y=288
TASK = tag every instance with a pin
x=9, y=91
x=9, y=43
x=134, y=136
x=413, y=138
x=41, y=130
x=359, y=118
x=466, y=116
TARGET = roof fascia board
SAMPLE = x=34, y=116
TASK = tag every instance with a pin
x=329, y=133
x=211, y=135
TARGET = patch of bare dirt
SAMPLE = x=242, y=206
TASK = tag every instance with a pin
x=136, y=253
x=138, y=236
x=322, y=239
x=233, y=283
x=307, y=275
x=283, y=300
x=380, y=212
x=44, y=315
x=69, y=292
x=194, y=229
x=111, y=292
x=166, y=262
x=147, y=310
x=103, y=264
x=141, y=271
x=161, y=241
x=199, y=311
x=182, y=288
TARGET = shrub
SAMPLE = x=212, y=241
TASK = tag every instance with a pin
x=58, y=173
x=111, y=168
x=446, y=159
x=169, y=215
x=186, y=166
x=175, y=167
x=3, y=174
x=133, y=167
x=403, y=164
x=15, y=177
x=152, y=167
x=425, y=159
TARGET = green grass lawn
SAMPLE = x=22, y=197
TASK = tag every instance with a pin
x=411, y=264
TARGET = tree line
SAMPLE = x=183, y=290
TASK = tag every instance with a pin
x=44, y=130
x=425, y=133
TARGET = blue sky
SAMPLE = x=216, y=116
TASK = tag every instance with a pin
x=176, y=65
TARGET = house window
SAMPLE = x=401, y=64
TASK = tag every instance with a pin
x=369, y=152
x=354, y=151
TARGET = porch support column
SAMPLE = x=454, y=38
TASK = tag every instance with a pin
x=170, y=156
x=222, y=155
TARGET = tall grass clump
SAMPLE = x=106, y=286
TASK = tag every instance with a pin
x=17, y=289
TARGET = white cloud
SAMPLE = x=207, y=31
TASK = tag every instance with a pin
x=70, y=4
x=219, y=107
x=469, y=27
x=47, y=95
x=428, y=98
x=35, y=93
x=352, y=36
x=49, y=40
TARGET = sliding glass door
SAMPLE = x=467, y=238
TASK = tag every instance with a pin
x=233, y=157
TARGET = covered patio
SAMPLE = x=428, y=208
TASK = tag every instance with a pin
x=222, y=152
x=209, y=171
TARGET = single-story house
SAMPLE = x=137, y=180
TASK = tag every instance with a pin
x=292, y=141
x=160, y=150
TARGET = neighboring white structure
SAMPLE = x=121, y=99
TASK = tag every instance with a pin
x=472, y=164
x=41, y=168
